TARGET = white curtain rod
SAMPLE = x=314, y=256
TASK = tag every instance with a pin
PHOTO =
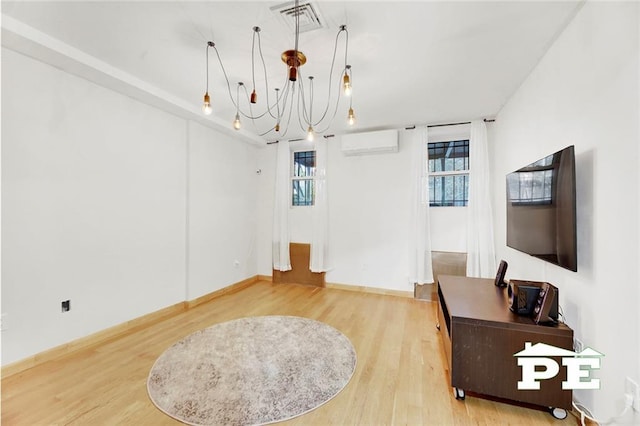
x=486, y=120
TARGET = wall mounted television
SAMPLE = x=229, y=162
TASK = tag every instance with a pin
x=541, y=209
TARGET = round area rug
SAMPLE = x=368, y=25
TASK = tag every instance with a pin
x=251, y=371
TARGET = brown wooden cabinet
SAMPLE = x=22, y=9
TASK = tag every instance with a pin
x=481, y=335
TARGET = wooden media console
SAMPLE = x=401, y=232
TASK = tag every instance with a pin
x=480, y=336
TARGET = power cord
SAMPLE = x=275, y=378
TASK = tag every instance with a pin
x=561, y=314
x=584, y=412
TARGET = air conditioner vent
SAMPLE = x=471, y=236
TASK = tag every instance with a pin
x=382, y=141
x=309, y=16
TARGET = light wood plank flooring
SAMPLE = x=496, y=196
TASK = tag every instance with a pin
x=400, y=377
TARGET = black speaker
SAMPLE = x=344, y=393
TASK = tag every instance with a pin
x=544, y=304
x=502, y=270
x=522, y=298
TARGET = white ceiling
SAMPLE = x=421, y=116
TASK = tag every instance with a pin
x=413, y=62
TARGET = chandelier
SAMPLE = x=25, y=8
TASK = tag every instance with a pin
x=293, y=95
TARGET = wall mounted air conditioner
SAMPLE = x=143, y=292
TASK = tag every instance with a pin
x=370, y=142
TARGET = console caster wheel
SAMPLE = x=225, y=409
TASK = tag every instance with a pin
x=558, y=413
x=459, y=394
x=438, y=326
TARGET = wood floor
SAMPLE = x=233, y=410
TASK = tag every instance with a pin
x=399, y=379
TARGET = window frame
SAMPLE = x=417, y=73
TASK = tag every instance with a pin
x=446, y=173
x=294, y=178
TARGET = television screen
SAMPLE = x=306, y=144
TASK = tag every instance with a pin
x=541, y=209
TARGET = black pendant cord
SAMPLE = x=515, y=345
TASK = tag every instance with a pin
x=333, y=60
x=297, y=12
x=256, y=30
x=335, y=111
x=266, y=80
x=284, y=133
x=300, y=98
x=207, y=50
x=235, y=104
x=311, y=101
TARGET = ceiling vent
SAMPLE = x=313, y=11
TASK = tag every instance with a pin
x=309, y=16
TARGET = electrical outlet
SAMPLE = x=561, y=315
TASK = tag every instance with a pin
x=631, y=387
x=65, y=305
x=578, y=346
x=3, y=322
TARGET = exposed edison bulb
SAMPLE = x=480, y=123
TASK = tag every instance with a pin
x=236, y=122
x=206, y=106
x=346, y=85
x=351, y=117
x=310, y=134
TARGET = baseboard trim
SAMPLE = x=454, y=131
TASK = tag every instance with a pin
x=268, y=278
x=233, y=288
x=372, y=290
x=92, y=339
x=119, y=330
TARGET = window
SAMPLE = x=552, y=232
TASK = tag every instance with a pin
x=449, y=173
x=302, y=185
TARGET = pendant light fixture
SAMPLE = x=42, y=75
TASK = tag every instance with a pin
x=292, y=98
x=236, y=121
x=206, y=106
x=346, y=81
x=310, y=131
x=346, y=86
x=277, y=126
x=351, y=117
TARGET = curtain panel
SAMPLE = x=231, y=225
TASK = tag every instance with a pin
x=481, y=257
x=281, y=239
x=318, y=260
x=420, y=267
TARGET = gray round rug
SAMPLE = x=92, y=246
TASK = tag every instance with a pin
x=250, y=371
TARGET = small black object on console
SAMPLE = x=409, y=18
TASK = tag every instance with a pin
x=502, y=270
x=533, y=298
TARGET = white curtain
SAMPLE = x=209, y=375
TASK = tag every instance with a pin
x=320, y=214
x=420, y=268
x=481, y=258
x=280, y=248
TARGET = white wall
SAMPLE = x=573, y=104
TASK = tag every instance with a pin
x=368, y=215
x=222, y=211
x=94, y=208
x=266, y=193
x=584, y=92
